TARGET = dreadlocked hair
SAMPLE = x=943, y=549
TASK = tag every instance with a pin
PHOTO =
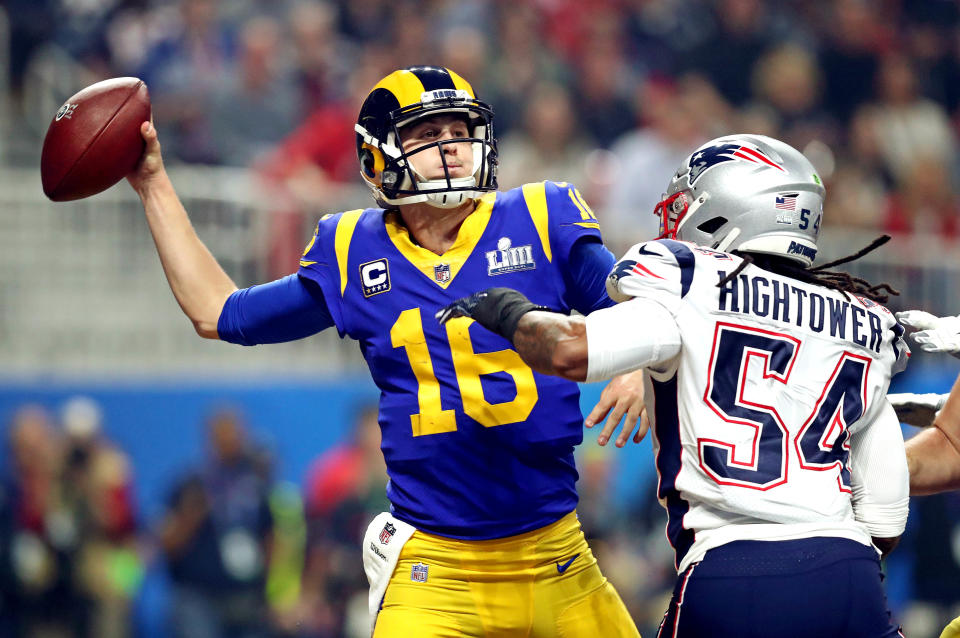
x=840, y=281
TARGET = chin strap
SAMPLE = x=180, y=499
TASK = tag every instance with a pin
x=432, y=190
x=726, y=241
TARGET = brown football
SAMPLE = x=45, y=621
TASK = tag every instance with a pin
x=94, y=139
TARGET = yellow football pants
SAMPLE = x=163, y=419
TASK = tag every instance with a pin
x=952, y=630
x=541, y=584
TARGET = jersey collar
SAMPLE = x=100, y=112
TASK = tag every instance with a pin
x=431, y=264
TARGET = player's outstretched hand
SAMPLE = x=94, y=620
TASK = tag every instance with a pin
x=932, y=333
x=150, y=166
x=496, y=309
x=462, y=307
x=623, y=396
x=918, y=410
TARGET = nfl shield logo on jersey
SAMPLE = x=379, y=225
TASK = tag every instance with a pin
x=419, y=573
x=441, y=272
x=387, y=533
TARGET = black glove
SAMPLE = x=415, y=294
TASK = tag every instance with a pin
x=496, y=309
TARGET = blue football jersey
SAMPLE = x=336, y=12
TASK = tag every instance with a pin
x=477, y=444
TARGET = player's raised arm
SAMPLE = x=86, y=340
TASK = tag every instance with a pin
x=198, y=282
x=607, y=343
x=918, y=410
x=549, y=342
x=933, y=455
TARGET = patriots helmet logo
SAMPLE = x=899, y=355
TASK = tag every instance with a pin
x=441, y=273
x=623, y=268
x=708, y=157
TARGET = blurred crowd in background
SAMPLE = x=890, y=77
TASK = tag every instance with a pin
x=609, y=95
x=245, y=556
x=231, y=551
x=242, y=554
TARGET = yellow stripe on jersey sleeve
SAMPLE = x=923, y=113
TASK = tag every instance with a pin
x=303, y=262
x=585, y=212
x=535, y=195
x=595, y=225
x=306, y=262
x=583, y=201
x=341, y=243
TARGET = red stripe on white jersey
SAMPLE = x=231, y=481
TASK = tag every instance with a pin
x=640, y=269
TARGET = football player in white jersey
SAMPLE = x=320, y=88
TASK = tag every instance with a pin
x=780, y=461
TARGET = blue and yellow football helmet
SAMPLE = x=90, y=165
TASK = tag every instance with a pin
x=402, y=98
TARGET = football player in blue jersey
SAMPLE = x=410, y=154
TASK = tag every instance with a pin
x=482, y=537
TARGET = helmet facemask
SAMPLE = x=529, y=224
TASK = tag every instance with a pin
x=676, y=210
x=671, y=210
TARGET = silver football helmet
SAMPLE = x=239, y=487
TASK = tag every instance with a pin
x=746, y=192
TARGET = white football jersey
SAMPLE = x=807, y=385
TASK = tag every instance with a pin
x=752, y=421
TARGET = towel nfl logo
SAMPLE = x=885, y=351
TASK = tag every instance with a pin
x=441, y=272
x=387, y=533
x=419, y=573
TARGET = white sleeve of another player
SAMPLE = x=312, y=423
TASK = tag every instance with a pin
x=879, y=476
x=635, y=334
